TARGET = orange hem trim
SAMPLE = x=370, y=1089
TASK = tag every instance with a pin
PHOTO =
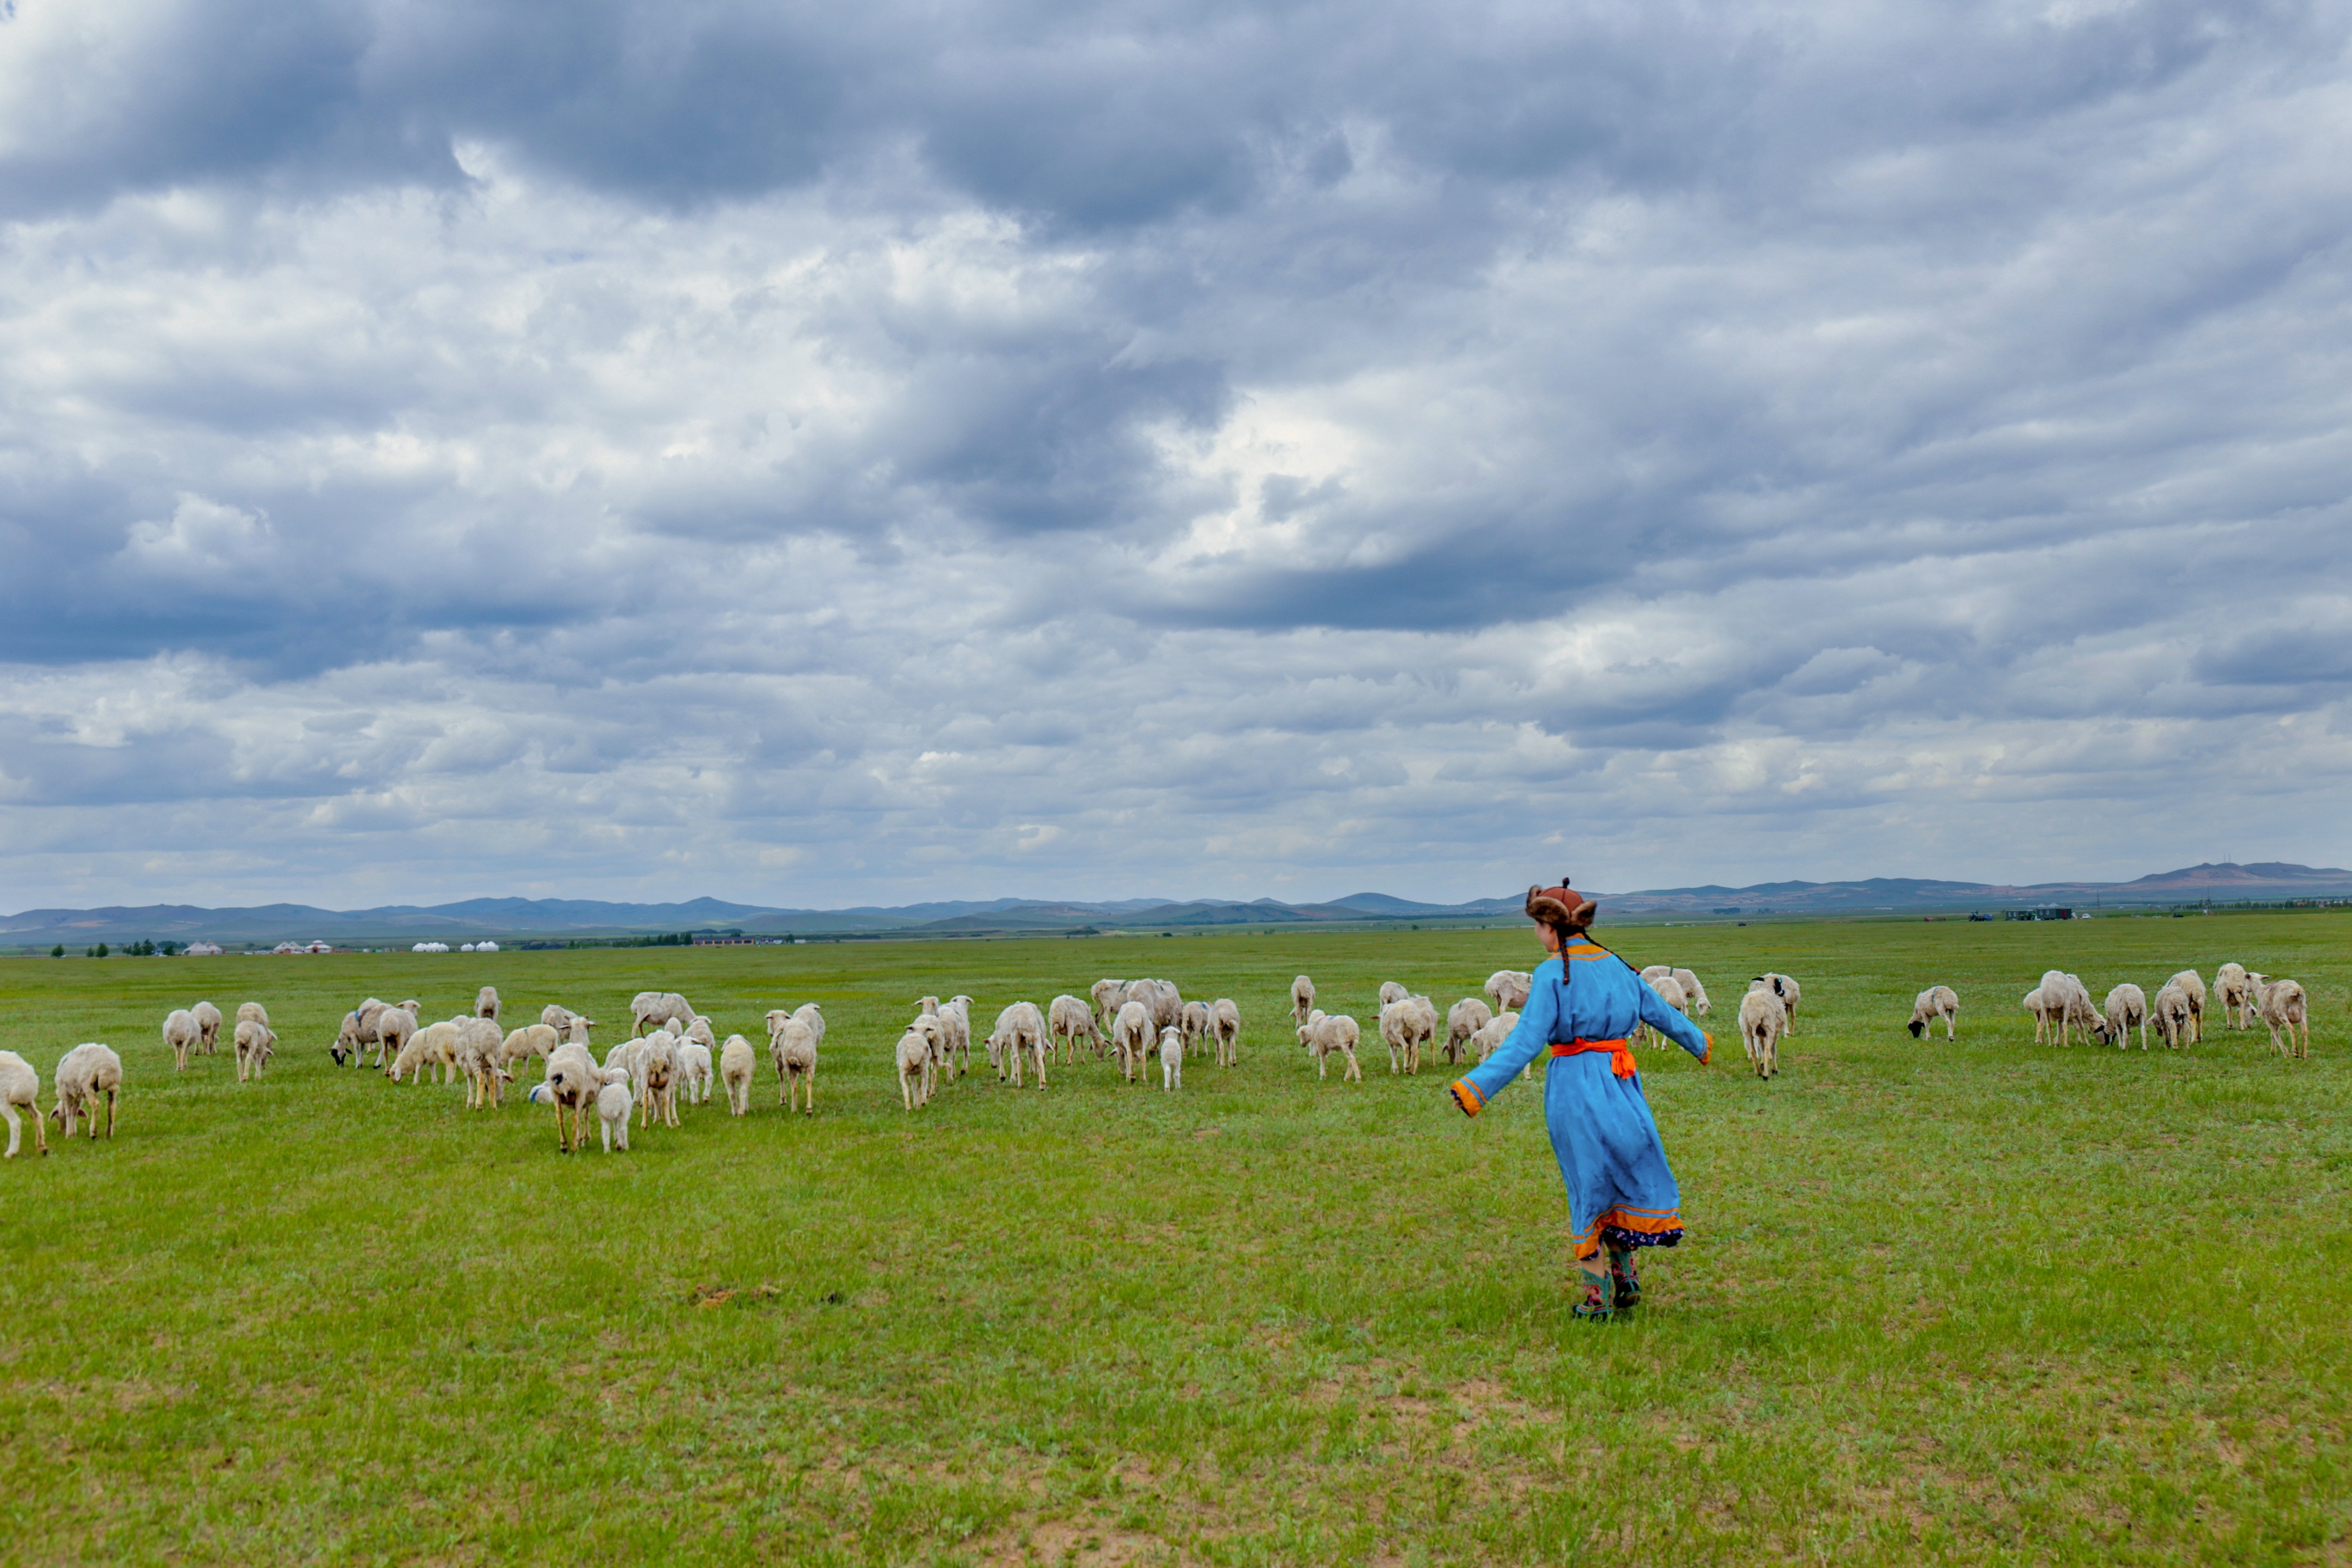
x=1643, y=1222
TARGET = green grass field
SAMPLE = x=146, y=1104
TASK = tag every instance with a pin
x=1985, y=1301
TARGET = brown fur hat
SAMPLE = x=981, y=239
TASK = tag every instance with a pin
x=1563, y=908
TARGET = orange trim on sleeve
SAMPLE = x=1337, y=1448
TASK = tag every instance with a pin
x=1466, y=1096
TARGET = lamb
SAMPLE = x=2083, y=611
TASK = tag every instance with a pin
x=737, y=1062
x=2282, y=1006
x=433, y=1045
x=2171, y=1014
x=1326, y=1034
x=1171, y=1059
x=1699, y=1005
x=209, y=1024
x=613, y=1102
x=935, y=1041
x=1934, y=1003
x=1108, y=994
x=653, y=1077
x=1131, y=1035
x=1670, y=992
x=573, y=1081
x=1195, y=1021
x=699, y=1030
x=2040, y=1011
x=20, y=1091
x=531, y=1040
x=1508, y=989
x=1786, y=990
x=182, y=1035
x=1491, y=1036
x=1762, y=1020
x=1019, y=1028
x=914, y=1068
x=487, y=1004
x=394, y=1028
x=694, y=1071
x=84, y=1073
x=1302, y=999
x=254, y=1044
x=2127, y=1008
x=2233, y=996
x=2193, y=989
x=795, y=1048
x=1225, y=1028
x=657, y=1008
x=1070, y=1021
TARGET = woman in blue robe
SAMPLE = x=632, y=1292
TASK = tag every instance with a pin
x=1583, y=1007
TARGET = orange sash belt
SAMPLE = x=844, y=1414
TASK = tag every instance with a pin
x=1620, y=1053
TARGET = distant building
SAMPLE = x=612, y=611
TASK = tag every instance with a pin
x=204, y=950
x=486, y=947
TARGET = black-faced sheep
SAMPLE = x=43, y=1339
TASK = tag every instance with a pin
x=1934, y=1003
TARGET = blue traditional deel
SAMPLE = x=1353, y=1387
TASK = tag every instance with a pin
x=1621, y=1191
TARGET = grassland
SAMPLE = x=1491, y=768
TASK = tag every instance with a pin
x=1973, y=1302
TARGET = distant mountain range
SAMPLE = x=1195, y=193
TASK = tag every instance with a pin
x=559, y=919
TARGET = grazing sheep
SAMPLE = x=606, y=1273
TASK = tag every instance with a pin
x=795, y=1048
x=2127, y=1008
x=1934, y=1003
x=653, y=1077
x=20, y=1092
x=1020, y=1028
x=1508, y=989
x=1131, y=1035
x=573, y=1083
x=1783, y=987
x=182, y=1034
x=942, y=1058
x=1463, y=1021
x=481, y=1051
x=612, y=1103
x=1069, y=1021
x=2282, y=1006
x=955, y=1031
x=1225, y=1028
x=1327, y=1034
x=2060, y=1005
x=1108, y=994
x=1695, y=992
x=1171, y=1059
x=1670, y=992
x=1391, y=991
x=420, y=1050
x=1167, y=1004
x=2171, y=1014
x=394, y=1028
x=694, y=1071
x=1654, y=970
x=914, y=1069
x=625, y=1055
x=347, y=1043
x=737, y=1061
x=1493, y=1032
x=557, y=1017
x=1425, y=1020
x=487, y=1004
x=1302, y=999
x=1762, y=1021
x=209, y=1024
x=2233, y=996
x=1396, y=1031
x=657, y=1008
x=2083, y=1013
x=531, y=1040
x=2193, y=989
x=2040, y=1011
x=254, y=1044
x=1194, y=1020
x=84, y=1073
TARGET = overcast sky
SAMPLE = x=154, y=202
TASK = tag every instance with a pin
x=813, y=454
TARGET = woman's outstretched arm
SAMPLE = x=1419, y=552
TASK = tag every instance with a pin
x=1671, y=1024
x=1473, y=1089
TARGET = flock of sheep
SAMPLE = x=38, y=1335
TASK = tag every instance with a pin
x=673, y=1049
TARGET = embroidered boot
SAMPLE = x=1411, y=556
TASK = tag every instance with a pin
x=1624, y=1276
x=1600, y=1303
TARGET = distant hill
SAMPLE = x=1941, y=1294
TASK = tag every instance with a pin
x=558, y=918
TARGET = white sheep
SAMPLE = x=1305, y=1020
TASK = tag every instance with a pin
x=1762, y=1020
x=1652, y=972
x=577, y=1031
x=2061, y=1006
x=2127, y=1009
x=1669, y=991
x=935, y=1038
x=1462, y=1022
x=2233, y=996
x=432, y=1046
x=1781, y=986
x=254, y=1044
x=657, y=1008
x=1070, y=1020
x=20, y=1092
x=703, y=1032
x=1391, y=991
x=2193, y=989
x=1699, y=1005
x=84, y=1073
x=1328, y=1034
x=737, y=1061
x=794, y=1047
x=1108, y=994
x=1508, y=989
x=253, y=1013
x=1225, y=1029
x=531, y=1040
x=653, y=1078
x=573, y=1083
x=914, y=1068
x=181, y=1032
x=694, y=1071
x=394, y=1028
x=1195, y=1021
x=2171, y=1014
x=1302, y=999
x=1934, y=1003
x=2282, y=1006
x=955, y=1032
x=557, y=1017
x=2041, y=1010
x=209, y=1025
x=1131, y=1035
x=1020, y=1030
x=1167, y=1004
x=1171, y=1059
x=479, y=1051
x=1493, y=1032
x=613, y=1100
x=487, y=1004
x=1397, y=1024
